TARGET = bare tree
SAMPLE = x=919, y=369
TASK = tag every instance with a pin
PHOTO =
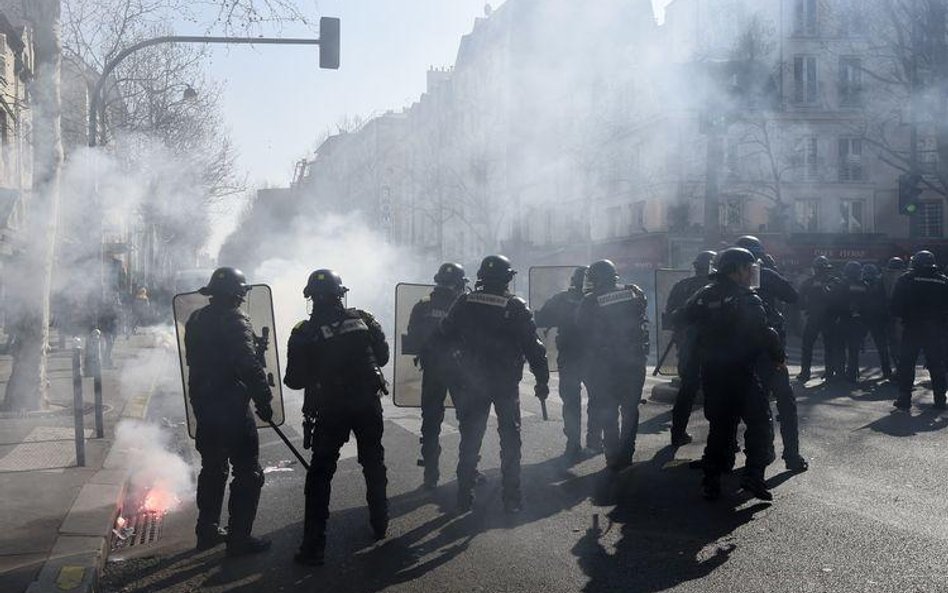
x=29, y=295
x=30, y=299
x=907, y=112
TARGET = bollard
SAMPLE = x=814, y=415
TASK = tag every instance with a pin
x=95, y=346
x=77, y=407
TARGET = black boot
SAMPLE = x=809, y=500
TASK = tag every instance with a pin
x=680, y=439
x=465, y=499
x=757, y=487
x=796, y=463
x=711, y=487
x=573, y=452
x=312, y=552
x=379, y=523
x=209, y=537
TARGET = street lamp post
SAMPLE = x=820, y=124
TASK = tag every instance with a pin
x=328, y=42
x=329, y=58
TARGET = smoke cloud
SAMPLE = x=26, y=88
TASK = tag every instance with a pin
x=158, y=477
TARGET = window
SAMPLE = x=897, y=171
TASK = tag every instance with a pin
x=852, y=216
x=805, y=81
x=928, y=221
x=732, y=213
x=850, y=82
x=805, y=17
x=731, y=158
x=808, y=158
x=614, y=221
x=807, y=215
x=637, y=217
x=850, y=159
x=852, y=20
x=928, y=154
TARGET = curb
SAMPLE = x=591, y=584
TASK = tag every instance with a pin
x=82, y=546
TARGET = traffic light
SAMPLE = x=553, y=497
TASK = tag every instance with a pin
x=329, y=43
x=909, y=191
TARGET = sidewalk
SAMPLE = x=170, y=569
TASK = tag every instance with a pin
x=56, y=518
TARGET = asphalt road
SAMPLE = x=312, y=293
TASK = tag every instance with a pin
x=870, y=515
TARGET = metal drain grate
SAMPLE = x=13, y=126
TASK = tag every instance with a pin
x=143, y=529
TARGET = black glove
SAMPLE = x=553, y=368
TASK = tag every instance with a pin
x=265, y=411
x=542, y=391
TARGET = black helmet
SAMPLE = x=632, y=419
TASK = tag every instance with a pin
x=323, y=283
x=732, y=259
x=603, y=274
x=896, y=263
x=450, y=275
x=852, y=270
x=496, y=269
x=923, y=260
x=578, y=278
x=871, y=272
x=821, y=263
x=704, y=260
x=752, y=244
x=226, y=282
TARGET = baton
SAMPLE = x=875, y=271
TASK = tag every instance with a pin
x=661, y=360
x=546, y=416
x=288, y=444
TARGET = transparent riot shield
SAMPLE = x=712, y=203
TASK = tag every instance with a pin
x=406, y=380
x=259, y=307
x=545, y=283
x=665, y=280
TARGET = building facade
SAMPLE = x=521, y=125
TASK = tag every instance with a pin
x=566, y=132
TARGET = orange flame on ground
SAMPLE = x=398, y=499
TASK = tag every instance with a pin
x=160, y=500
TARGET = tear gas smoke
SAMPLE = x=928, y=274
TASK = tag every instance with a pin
x=370, y=267
x=158, y=477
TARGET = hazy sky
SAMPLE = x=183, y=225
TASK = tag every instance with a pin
x=277, y=102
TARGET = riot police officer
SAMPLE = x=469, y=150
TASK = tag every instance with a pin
x=560, y=312
x=732, y=335
x=613, y=325
x=876, y=316
x=920, y=300
x=225, y=375
x=437, y=360
x=335, y=356
x=495, y=332
x=684, y=336
x=775, y=288
x=815, y=299
x=849, y=297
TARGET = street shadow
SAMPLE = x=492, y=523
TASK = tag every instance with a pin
x=907, y=424
x=668, y=534
x=657, y=425
x=355, y=563
x=179, y=568
x=868, y=390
